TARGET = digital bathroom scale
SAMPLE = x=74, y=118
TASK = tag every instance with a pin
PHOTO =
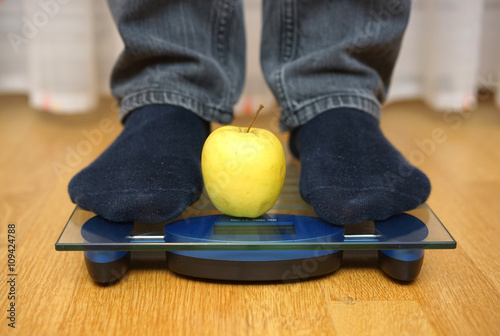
x=289, y=243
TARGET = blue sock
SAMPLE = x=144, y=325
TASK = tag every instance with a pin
x=350, y=172
x=151, y=172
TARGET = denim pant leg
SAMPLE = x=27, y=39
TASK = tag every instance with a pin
x=321, y=54
x=188, y=53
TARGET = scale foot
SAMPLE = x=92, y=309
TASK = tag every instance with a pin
x=403, y=265
x=106, y=267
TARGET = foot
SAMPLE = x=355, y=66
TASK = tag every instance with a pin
x=151, y=172
x=350, y=172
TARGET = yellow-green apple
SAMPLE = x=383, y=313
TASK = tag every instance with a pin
x=243, y=170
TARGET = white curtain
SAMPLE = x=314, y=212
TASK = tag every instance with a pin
x=60, y=53
x=450, y=50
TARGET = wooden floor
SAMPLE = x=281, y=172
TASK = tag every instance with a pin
x=457, y=292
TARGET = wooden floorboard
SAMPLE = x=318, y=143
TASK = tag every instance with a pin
x=457, y=292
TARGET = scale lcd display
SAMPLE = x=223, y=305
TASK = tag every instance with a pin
x=254, y=229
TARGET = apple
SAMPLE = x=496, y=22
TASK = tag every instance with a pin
x=243, y=170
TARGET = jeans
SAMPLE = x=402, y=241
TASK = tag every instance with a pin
x=315, y=54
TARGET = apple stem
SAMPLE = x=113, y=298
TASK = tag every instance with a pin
x=255, y=117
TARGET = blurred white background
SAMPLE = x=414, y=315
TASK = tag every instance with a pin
x=60, y=53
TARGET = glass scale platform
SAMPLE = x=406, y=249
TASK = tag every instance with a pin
x=289, y=243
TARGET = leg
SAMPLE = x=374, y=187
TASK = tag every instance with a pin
x=329, y=63
x=182, y=66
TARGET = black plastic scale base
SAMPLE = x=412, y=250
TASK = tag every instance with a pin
x=289, y=243
x=254, y=270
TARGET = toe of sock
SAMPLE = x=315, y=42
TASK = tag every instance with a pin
x=147, y=206
x=119, y=204
x=359, y=207
x=342, y=206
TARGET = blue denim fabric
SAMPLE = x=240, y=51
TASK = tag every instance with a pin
x=315, y=54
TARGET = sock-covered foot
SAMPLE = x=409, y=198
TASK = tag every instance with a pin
x=151, y=172
x=350, y=172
